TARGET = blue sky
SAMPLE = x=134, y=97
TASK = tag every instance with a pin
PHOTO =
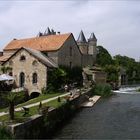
x=115, y=23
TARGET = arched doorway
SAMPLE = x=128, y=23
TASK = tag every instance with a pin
x=34, y=95
x=21, y=79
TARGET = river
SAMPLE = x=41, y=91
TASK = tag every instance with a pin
x=116, y=117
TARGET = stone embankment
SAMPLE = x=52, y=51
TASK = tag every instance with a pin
x=44, y=126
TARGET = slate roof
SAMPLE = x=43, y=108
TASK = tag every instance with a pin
x=92, y=37
x=43, y=43
x=47, y=31
x=81, y=38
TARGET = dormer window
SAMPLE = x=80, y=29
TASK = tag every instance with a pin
x=22, y=58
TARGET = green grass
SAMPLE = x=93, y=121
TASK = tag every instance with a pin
x=38, y=99
x=33, y=110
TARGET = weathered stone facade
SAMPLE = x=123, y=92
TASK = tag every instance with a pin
x=28, y=67
x=69, y=54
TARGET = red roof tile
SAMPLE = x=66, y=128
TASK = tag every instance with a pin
x=43, y=43
x=4, y=58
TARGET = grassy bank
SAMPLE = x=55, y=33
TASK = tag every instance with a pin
x=19, y=116
x=38, y=99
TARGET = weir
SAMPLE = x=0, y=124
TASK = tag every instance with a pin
x=128, y=89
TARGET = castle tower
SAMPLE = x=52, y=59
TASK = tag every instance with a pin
x=92, y=42
x=82, y=43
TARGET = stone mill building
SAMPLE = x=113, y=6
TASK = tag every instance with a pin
x=31, y=58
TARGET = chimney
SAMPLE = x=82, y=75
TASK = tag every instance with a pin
x=58, y=33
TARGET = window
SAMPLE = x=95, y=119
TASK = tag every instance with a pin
x=34, y=63
x=70, y=51
x=34, y=81
x=22, y=58
x=21, y=79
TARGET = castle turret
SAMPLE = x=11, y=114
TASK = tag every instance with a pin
x=82, y=43
x=92, y=41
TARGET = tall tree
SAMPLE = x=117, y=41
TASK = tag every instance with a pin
x=103, y=57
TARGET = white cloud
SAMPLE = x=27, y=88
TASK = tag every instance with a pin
x=115, y=23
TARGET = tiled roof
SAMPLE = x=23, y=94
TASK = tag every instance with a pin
x=43, y=43
x=4, y=58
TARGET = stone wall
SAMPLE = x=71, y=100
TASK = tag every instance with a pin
x=40, y=126
x=83, y=47
x=87, y=60
x=69, y=54
x=28, y=69
x=53, y=55
x=99, y=77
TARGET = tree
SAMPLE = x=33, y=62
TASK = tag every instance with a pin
x=56, y=78
x=12, y=98
x=112, y=73
x=74, y=75
x=103, y=57
x=130, y=65
x=5, y=69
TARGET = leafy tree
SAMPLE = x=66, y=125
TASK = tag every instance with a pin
x=5, y=69
x=130, y=65
x=112, y=73
x=56, y=78
x=103, y=57
x=73, y=75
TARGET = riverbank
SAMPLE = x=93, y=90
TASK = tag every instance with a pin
x=44, y=125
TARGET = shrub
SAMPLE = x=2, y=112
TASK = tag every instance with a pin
x=103, y=90
x=4, y=134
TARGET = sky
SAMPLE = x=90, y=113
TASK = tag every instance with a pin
x=116, y=24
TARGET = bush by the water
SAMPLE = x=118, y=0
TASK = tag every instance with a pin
x=102, y=90
x=4, y=134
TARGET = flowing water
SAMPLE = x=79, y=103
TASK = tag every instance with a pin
x=117, y=117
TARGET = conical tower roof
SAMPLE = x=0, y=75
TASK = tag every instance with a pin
x=92, y=37
x=47, y=31
x=81, y=37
